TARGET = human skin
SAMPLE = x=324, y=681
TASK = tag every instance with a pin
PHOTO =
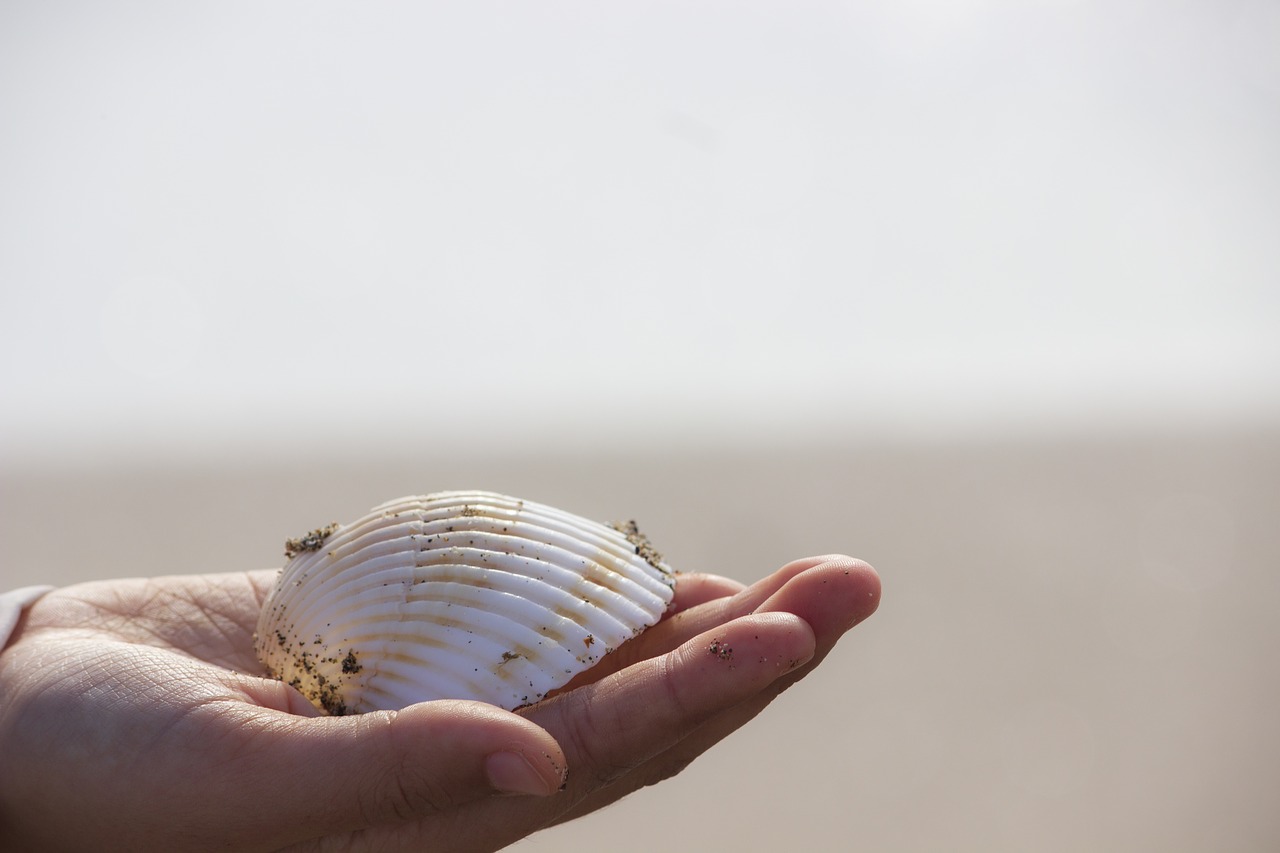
x=133, y=715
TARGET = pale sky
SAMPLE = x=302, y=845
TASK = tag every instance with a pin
x=295, y=222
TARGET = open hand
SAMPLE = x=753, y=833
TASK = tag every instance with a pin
x=133, y=716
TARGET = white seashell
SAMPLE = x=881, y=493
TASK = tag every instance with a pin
x=455, y=595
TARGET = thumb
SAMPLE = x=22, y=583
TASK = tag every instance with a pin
x=330, y=775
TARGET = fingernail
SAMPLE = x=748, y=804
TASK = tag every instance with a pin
x=511, y=773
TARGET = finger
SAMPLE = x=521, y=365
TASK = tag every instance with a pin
x=615, y=725
x=679, y=628
x=336, y=775
x=695, y=588
x=763, y=596
x=831, y=598
x=694, y=620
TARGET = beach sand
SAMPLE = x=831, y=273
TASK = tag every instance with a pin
x=1076, y=647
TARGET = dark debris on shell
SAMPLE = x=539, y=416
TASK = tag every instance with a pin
x=313, y=541
x=644, y=549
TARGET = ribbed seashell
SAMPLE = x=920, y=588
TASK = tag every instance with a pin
x=455, y=595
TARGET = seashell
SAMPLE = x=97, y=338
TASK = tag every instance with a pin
x=455, y=595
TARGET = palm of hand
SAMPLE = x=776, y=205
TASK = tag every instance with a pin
x=133, y=717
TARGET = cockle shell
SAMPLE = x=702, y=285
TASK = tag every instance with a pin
x=455, y=595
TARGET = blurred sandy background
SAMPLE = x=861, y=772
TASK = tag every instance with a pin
x=1076, y=647
x=982, y=292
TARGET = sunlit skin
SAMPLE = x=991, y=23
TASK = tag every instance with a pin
x=133, y=716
